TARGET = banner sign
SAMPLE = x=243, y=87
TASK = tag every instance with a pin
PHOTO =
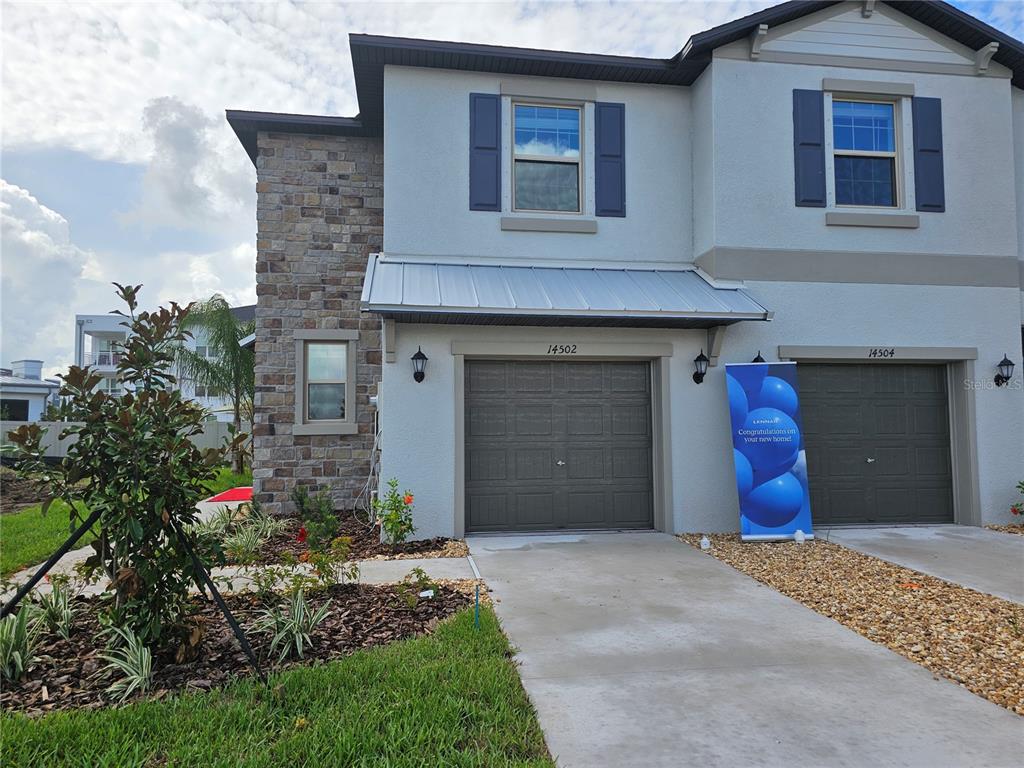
x=768, y=450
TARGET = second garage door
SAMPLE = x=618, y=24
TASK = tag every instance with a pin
x=553, y=445
x=877, y=440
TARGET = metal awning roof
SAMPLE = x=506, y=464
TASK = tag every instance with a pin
x=496, y=294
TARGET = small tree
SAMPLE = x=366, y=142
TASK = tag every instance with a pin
x=229, y=370
x=133, y=460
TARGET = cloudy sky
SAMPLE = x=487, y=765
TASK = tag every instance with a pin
x=116, y=162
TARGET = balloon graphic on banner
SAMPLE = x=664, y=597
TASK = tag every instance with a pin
x=771, y=467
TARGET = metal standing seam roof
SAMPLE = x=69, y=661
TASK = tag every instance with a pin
x=536, y=295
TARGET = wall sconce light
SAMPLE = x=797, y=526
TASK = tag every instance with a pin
x=700, y=365
x=419, y=363
x=1005, y=371
x=758, y=359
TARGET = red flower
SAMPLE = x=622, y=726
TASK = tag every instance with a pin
x=301, y=538
x=407, y=499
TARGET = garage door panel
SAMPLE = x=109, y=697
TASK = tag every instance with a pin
x=585, y=463
x=486, y=377
x=532, y=377
x=487, y=421
x=585, y=419
x=534, y=464
x=894, y=415
x=487, y=465
x=930, y=420
x=630, y=508
x=631, y=463
x=588, y=510
x=557, y=444
x=584, y=377
x=631, y=420
x=486, y=511
x=534, y=420
x=890, y=419
x=535, y=509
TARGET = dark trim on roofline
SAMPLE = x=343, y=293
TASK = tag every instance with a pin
x=371, y=53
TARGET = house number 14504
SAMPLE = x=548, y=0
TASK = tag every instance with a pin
x=882, y=352
x=562, y=349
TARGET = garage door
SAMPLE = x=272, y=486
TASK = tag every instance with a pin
x=877, y=440
x=553, y=445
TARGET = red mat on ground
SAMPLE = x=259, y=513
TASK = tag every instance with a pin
x=242, y=493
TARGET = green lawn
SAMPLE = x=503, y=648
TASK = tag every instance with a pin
x=448, y=699
x=28, y=537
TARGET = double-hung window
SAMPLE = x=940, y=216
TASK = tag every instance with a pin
x=546, y=160
x=325, y=396
x=864, y=148
x=326, y=380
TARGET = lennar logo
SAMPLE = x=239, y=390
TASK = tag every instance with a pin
x=772, y=420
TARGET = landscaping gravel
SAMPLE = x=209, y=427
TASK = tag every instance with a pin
x=1017, y=528
x=971, y=638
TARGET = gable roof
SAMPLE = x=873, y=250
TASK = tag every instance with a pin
x=371, y=53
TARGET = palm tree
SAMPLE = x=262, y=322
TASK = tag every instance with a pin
x=228, y=370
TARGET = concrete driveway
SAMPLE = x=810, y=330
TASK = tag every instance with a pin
x=974, y=557
x=638, y=650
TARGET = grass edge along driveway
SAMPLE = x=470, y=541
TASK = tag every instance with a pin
x=452, y=698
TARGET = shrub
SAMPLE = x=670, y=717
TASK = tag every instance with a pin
x=243, y=544
x=1018, y=508
x=132, y=659
x=413, y=585
x=133, y=460
x=394, y=511
x=57, y=610
x=18, y=635
x=292, y=628
x=317, y=515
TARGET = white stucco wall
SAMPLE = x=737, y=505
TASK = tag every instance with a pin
x=1017, y=126
x=419, y=419
x=753, y=174
x=426, y=175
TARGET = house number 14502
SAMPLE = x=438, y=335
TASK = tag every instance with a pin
x=562, y=349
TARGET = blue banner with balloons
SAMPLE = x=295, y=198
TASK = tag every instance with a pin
x=768, y=450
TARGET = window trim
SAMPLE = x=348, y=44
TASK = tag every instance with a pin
x=579, y=161
x=303, y=425
x=899, y=196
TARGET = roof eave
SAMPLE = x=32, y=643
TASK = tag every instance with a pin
x=247, y=126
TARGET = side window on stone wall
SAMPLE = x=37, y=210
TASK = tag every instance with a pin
x=325, y=377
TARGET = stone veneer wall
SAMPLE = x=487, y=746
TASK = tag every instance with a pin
x=320, y=214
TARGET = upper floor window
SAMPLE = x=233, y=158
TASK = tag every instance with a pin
x=326, y=379
x=864, y=147
x=546, y=159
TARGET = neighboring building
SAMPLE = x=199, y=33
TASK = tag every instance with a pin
x=24, y=393
x=99, y=340
x=562, y=234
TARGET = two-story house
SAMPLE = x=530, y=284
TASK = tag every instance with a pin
x=512, y=261
x=99, y=340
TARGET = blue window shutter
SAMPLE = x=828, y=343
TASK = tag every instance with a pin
x=610, y=159
x=929, y=186
x=484, y=152
x=809, y=147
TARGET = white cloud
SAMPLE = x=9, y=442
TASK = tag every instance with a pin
x=45, y=279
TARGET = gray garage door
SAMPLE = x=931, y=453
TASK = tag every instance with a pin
x=877, y=440
x=553, y=445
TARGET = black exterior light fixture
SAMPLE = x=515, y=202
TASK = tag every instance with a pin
x=419, y=363
x=700, y=365
x=758, y=359
x=1005, y=372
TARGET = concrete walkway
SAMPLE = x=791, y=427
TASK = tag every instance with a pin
x=984, y=560
x=638, y=650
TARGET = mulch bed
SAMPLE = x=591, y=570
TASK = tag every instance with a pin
x=971, y=638
x=69, y=674
x=366, y=544
x=1017, y=528
x=18, y=492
